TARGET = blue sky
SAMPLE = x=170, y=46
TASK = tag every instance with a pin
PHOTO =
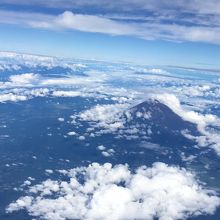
x=184, y=33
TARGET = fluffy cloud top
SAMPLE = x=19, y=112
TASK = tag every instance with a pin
x=209, y=137
x=173, y=102
x=106, y=116
x=26, y=78
x=12, y=97
x=66, y=93
x=106, y=192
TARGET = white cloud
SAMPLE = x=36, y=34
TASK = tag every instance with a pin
x=155, y=71
x=91, y=23
x=12, y=97
x=38, y=92
x=48, y=171
x=72, y=80
x=173, y=102
x=101, y=147
x=155, y=28
x=107, y=116
x=164, y=6
x=26, y=78
x=107, y=192
x=37, y=80
x=108, y=153
x=102, y=113
x=209, y=137
x=71, y=133
x=61, y=119
x=21, y=56
x=151, y=146
x=22, y=95
x=82, y=138
x=4, y=67
x=21, y=80
x=67, y=93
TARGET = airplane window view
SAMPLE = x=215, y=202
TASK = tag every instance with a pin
x=109, y=110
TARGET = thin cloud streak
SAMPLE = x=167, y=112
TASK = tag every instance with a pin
x=148, y=30
x=192, y=6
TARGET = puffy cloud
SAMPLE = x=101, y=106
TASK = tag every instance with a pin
x=72, y=133
x=4, y=67
x=67, y=93
x=102, y=113
x=12, y=97
x=106, y=192
x=81, y=138
x=23, y=95
x=209, y=137
x=108, y=153
x=173, y=102
x=61, y=119
x=101, y=147
x=21, y=80
x=107, y=116
x=48, y=171
x=26, y=78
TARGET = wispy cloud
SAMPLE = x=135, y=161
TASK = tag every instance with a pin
x=161, y=27
x=193, y=6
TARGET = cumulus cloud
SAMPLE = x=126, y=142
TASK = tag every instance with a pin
x=26, y=78
x=21, y=80
x=24, y=86
x=67, y=93
x=61, y=119
x=106, y=116
x=23, y=95
x=102, y=112
x=106, y=192
x=33, y=80
x=72, y=133
x=173, y=102
x=12, y=97
x=4, y=67
x=209, y=137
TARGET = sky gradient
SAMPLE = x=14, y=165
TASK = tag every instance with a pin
x=183, y=33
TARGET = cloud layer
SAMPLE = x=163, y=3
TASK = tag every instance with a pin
x=106, y=192
x=197, y=6
x=119, y=87
x=193, y=21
